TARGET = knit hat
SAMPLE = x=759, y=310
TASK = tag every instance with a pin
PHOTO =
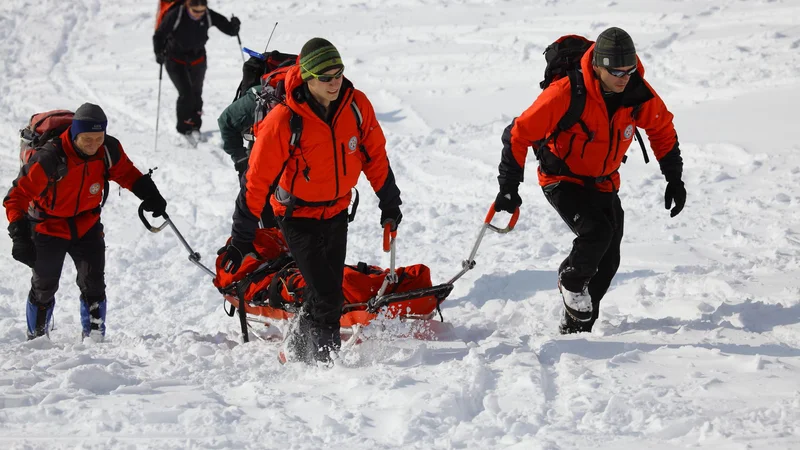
x=198, y=3
x=317, y=57
x=88, y=118
x=614, y=48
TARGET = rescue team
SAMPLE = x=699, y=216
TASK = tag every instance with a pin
x=580, y=128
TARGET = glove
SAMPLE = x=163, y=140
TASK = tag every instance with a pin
x=233, y=254
x=675, y=192
x=391, y=216
x=508, y=198
x=236, y=24
x=241, y=164
x=161, y=57
x=23, y=249
x=152, y=201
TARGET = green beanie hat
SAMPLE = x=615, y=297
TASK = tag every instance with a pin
x=614, y=48
x=317, y=57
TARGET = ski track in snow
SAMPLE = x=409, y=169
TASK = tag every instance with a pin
x=697, y=343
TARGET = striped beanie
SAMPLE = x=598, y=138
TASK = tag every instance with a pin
x=614, y=48
x=317, y=57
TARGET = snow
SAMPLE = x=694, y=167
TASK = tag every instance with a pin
x=698, y=342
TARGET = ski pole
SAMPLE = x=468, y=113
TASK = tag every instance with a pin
x=240, y=41
x=158, y=107
x=270, y=36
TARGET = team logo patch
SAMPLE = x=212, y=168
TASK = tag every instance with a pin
x=628, y=131
x=95, y=188
x=352, y=144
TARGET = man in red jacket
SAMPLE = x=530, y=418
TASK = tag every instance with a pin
x=53, y=209
x=340, y=138
x=579, y=166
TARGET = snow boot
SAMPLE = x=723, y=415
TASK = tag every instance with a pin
x=93, y=319
x=577, y=304
x=569, y=325
x=326, y=341
x=297, y=345
x=39, y=319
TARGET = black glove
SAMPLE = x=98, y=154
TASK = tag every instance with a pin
x=152, y=201
x=161, y=57
x=508, y=198
x=233, y=255
x=241, y=164
x=236, y=24
x=392, y=216
x=23, y=249
x=675, y=192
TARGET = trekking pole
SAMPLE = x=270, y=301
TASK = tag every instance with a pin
x=270, y=36
x=194, y=257
x=240, y=42
x=469, y=263
x=158, y=107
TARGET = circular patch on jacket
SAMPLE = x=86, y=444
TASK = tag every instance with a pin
x=95, y=188
x=628, y=131
x=352, y=144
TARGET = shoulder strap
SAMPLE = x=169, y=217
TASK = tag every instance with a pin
x=577, y=103
x=178, y=19
x=635, y=114
x=359, y=121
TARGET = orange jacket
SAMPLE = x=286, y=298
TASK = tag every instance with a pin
x=326, y=164
x=600, y=156
x=67, y=207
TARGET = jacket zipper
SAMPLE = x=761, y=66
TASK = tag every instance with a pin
x=335, y=163
x=80, y=189
x=344, y=162
x=616, y=150
x=294, y=177
x=610, y=143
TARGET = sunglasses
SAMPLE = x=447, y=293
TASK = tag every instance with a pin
x=621, y=73
x=328, y=78
x=198, y=10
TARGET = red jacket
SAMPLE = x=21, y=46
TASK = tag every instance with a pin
x=67, y=207
x=602, y=155
x=325, y=165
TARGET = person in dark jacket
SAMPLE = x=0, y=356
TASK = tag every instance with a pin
x=340, y=139
x=236, y=121
x=180, y=44
x=579, y=166
x=53, y=209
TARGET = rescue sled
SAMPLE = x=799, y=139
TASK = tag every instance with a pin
x=269, y=289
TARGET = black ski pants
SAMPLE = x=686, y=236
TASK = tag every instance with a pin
x=188, y=78
x=319, y=248
x=89, y=255
x=597, y=219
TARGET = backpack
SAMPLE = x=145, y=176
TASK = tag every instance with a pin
x=163, y=7
x=42, y=133
x=259, y=65
x=563, y=59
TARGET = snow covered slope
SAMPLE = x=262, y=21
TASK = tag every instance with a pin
x=698, y=343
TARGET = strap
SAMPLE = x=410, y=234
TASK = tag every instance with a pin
x=178, y=19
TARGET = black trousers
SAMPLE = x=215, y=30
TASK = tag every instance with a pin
x=597, y=220
x=319, y=247
x=89, y=255
x=188, y=79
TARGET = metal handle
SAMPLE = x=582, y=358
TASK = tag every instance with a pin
x=469, y=263
x=194, y=257
x=389, y=237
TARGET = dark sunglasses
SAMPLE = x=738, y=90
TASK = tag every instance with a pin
x=621, y=73
x=198, y=10
x=328, y=78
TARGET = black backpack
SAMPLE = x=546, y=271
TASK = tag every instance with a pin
x=259, y=65
x=564, y=59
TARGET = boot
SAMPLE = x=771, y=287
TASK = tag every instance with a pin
x=326, y=340
x=93, y=319
x=297, y=346
x=578, y=305
x=569, y=325
x=39, y=319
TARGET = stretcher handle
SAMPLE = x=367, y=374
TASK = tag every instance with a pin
x=388, y=237
x=511, y=223
x=194, y=256
x=147, y=225
x=469, y=263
